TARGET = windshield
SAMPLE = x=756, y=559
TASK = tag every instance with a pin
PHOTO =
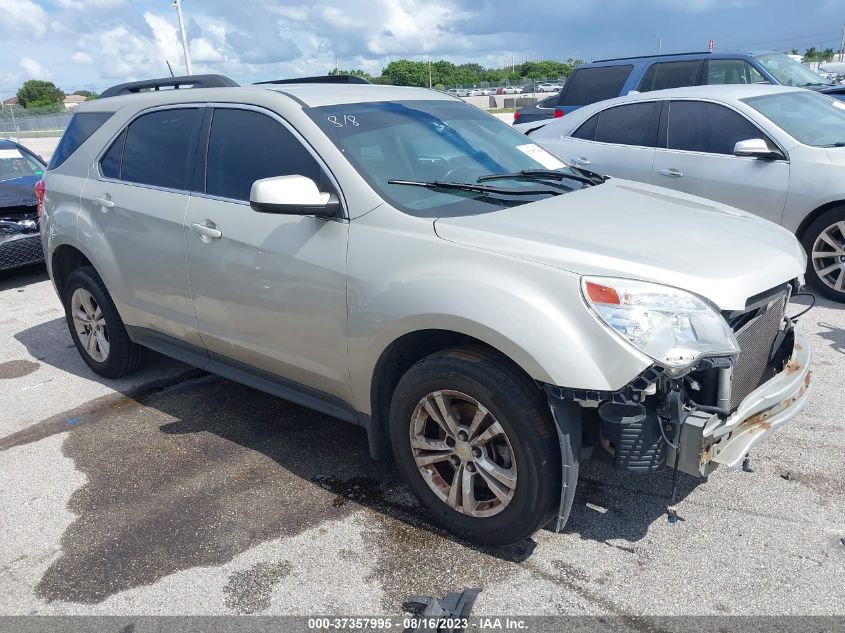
x=17, y=164
x=788, y=72
x=431, y=141
x=811, y=118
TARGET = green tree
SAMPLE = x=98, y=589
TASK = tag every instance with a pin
x=85, y=93
x=810, y=54
x=35, y=93
x=795, y=52
x=355, y=72
x=826, y=55
x=404, y=72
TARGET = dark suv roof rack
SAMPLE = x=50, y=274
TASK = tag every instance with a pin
x=324, y=79
x=620, y=59
x=187, y=81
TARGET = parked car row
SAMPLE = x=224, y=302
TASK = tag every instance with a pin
x=399, y=259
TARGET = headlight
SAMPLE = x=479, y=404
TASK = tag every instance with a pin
x=672, y=326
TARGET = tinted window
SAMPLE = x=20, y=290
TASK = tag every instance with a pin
x=246, y=146
x=590, y=85
x=587, y=131
x=670, y=75
x=548, y=102
x=628, y=125
x=733, y=71
x=695, y=126
x=82, y=125
x=811, y=118
x=110, y=164
x=158, y=148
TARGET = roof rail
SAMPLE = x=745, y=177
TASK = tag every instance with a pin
x=187, y=81
x=621, y=59
x=324, y=79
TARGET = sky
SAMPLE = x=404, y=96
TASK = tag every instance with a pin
x=92, y=44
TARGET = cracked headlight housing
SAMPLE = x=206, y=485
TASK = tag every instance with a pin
x=673, y=327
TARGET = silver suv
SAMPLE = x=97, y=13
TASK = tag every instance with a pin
x=400, y=259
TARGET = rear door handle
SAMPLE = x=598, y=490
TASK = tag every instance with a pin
x=671, y=173
x=207, y=230
x=104, y=201
x=583, y=162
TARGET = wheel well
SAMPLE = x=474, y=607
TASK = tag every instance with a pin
x=65, y=260
x=400, y=356
x=806, y=222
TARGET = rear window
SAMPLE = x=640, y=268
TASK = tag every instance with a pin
x=82, y=125
x=590, y=85
x=665, y=75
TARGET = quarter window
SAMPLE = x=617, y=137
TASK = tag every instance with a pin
x=670, y=75
x=158, y=148
x=82, y=125
x=696, y=126
x=246, y=146
x=110, y=164
x=628, y=125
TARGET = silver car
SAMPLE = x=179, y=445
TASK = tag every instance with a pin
x=404, y=261
x=774, y=151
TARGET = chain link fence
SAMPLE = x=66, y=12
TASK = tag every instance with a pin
x=17, y=122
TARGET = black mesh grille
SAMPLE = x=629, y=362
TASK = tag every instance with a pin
x=20, y=252
x=755, y=338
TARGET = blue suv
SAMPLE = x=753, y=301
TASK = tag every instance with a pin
x=610, y=78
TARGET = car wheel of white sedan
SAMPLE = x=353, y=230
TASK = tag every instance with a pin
x=824, y=241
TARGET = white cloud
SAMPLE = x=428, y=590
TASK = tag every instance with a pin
x=23, y=15
x=81, y=58
x=203, y=51
x=87, y=4
x=33, y=69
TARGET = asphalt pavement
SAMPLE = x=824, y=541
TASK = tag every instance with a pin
x=177, y=492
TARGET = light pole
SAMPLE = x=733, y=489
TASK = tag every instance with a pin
x=178, y=5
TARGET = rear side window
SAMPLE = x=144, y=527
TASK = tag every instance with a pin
x=628, y=125
x=587, y=131
x=246, y=146
x=110, y=164
x=590, y=85
x=82, y=125
x=158, y=148
x=671, y=75
x=696, y=126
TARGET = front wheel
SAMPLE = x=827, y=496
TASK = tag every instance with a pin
x=824, y=241
x=475, y=442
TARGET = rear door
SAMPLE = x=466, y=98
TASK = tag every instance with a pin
x=696, y=156
x=618, y=141
x=139, y=196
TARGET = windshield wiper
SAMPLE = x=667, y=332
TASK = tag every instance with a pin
x=439, y=185
x=579, y=175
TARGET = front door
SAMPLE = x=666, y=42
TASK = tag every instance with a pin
x=269, y=289
x=698, y=158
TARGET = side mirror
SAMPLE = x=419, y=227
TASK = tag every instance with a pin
x=292, y=195
x=757, y=148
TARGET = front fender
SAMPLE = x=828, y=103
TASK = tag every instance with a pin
x=402, y=282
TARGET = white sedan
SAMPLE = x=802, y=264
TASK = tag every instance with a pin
x=511, y=90
x=774, y=151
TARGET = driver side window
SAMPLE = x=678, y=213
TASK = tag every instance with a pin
x=245, y=146
x=697, y=126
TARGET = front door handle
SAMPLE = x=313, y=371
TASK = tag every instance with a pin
x=104, y=201
x=671, y=173
x=582, y=161
x=207, y=230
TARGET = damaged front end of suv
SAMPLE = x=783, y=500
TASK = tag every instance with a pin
x=720, y=383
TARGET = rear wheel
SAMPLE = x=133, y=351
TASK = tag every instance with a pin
x=96, y=327
x=475, y=442
x=824, y=241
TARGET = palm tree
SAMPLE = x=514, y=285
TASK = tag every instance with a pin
x=827, y=55
x=795, y=52
x=810, y=54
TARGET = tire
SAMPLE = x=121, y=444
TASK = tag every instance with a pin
x=832, y=224
x=526, y=452
x=112, y=354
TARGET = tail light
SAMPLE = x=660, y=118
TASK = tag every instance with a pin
x=39, y=196
x=515, y=116
x=558, y=113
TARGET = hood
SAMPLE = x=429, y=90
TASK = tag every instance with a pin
x=637, y=231
x=18, y=192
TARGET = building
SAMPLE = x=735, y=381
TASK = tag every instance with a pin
x=72, y=101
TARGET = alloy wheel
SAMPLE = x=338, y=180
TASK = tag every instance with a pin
x=463, y=453
x=829, y=256
x=90, y=324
